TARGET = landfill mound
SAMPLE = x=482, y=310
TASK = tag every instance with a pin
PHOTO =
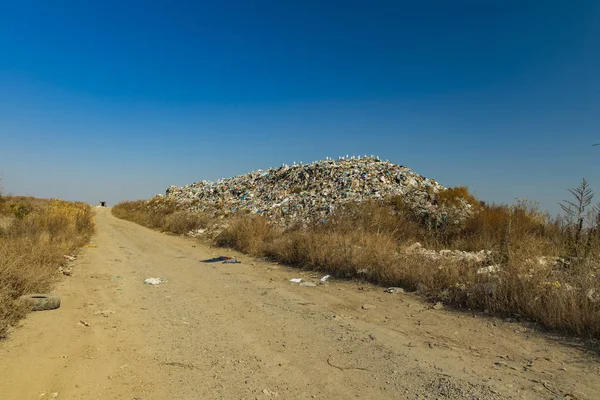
x=310, y=192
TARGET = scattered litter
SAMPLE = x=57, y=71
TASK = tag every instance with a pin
x=308, y=284
x=325, y=278
x=232, y=261
x=489, y=269
x=363, y=271
x=456, y=255
x=70, y=258
x=154, y=281
x=296, y=280
x=394, y=290
x=82, y=322
x=217, y=259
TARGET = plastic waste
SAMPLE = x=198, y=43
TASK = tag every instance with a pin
x=394, y=290
x=154, y=281
x=217, y=259
x=325, y=278
x=296, y=280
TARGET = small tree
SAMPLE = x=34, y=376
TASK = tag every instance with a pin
x=575, y=213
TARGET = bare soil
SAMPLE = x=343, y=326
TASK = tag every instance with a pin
x=244, y=331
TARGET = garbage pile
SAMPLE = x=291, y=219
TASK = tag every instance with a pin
x=302, y=193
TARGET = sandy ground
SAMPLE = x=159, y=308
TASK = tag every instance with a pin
x=243, y=331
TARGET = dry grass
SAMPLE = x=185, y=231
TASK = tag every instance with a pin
x=366, y=241
x=32, y=247
x=162, y=215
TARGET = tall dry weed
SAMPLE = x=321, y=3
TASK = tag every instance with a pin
x=33, y=245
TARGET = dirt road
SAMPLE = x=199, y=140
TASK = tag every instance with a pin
x=244, y=331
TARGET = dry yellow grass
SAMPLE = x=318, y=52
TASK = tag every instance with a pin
x=160, y=214
x=32, y=246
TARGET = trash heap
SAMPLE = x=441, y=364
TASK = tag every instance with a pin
x=302, y=193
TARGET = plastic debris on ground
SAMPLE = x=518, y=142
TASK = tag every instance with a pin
x=304, y=193
x=296, y=280
x=232, y=261
x=154, y=281
x=218, y=259
x=394, y=290
x=325, y=278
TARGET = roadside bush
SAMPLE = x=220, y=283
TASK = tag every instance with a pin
x=32, y=248
x=162, y=215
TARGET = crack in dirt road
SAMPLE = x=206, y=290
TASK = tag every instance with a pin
x=243, y=331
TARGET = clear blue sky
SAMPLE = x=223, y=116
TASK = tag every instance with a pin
x=113, y=100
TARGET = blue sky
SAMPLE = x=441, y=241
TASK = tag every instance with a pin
x=117, y=100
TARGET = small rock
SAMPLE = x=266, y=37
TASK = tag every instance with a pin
x=438, y=306
x=54, y=395
x=368, y=307
x=372, y=337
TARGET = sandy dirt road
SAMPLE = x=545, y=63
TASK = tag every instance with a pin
x=243, y=331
